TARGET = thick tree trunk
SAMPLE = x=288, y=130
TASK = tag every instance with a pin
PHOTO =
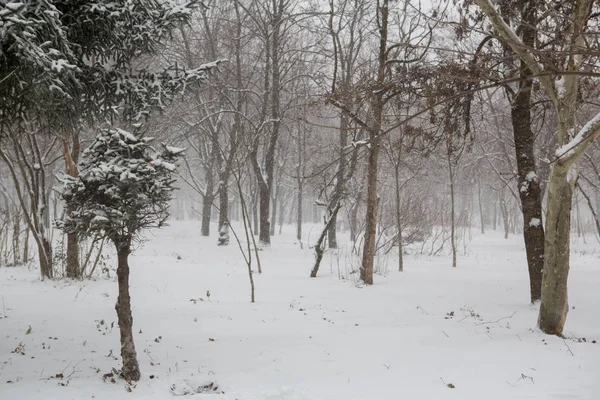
x=554, y=306
x=264, y=210
x=528, y=181
x=367, y=268
x=377, y=104
x=131, y=369
x=73, y=268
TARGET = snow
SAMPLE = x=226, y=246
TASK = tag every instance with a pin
x=408, y=336
x=531, y=175
x=568, y=150
x=535, y=222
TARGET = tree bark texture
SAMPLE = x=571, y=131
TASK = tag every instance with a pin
x=71, y=159
x=528, y=181
x=554, y=305
x=131, y=369
x=377, y=104
x=45, y=257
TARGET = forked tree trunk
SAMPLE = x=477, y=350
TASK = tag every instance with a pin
x=131, y=368
x=554, y=306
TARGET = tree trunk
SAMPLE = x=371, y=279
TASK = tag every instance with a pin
x=367, y=267
x=452, y=220
x=399, y=219
x=299, y=213
x=319, y=251
x=554, y=306
x=340, y=183
x=275, y=205
x=26, y=245
x=264, y=200
x=504, y=211
x=377, y=104
x=481, y=213
x=15, y=239
x=71, y=160
x=528, y=181
x=224, y=208
x=45, y=257
x=207, y=200
x=131, y=369
x=73, y=268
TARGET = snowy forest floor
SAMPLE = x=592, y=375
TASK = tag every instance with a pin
x=431, y=332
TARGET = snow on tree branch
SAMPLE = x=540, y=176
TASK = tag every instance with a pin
x=580, y=143
x=124, y=186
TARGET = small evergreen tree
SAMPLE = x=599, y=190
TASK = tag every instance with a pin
x=124, y=186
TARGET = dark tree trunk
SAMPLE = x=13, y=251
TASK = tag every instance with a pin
x=71, y=160
x=264, y=200
x=377, y=103
x=45, y=256
x=223, y=213
x=528, y=181
x=224, y=202
x=131, y=368
x=368, y=259
x=73, y=268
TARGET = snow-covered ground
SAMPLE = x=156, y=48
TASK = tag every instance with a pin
x=431, y=332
